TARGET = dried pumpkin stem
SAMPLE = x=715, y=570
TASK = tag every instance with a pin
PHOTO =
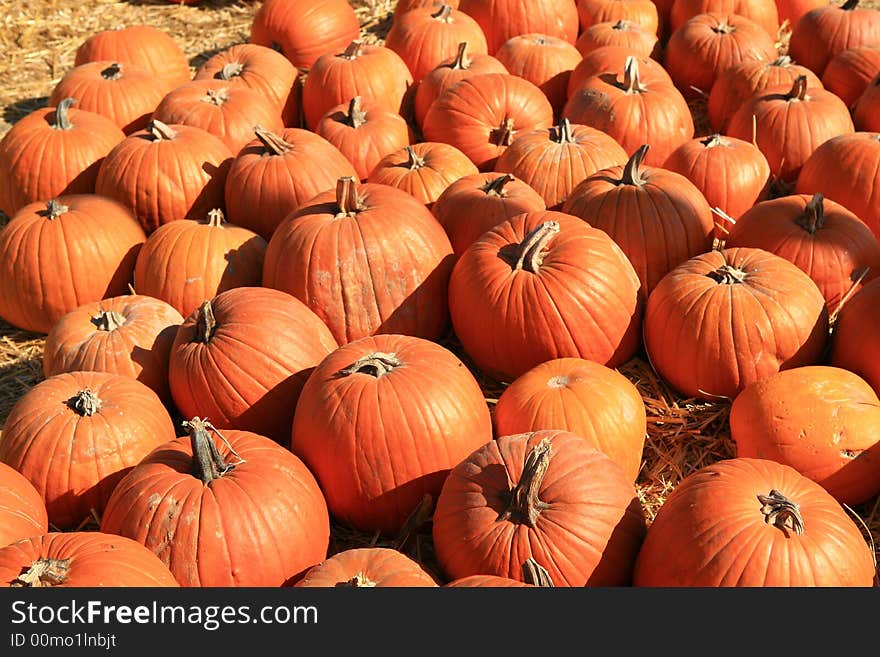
x=356, y=116
x=461, y=60
x=849, y=5
x=54, y=209
x=727, y=275
x=216, y=218
x=781, y=512
x=159, y=130
x=714, y=141
x=377, y=365
x=43, y=572
x=108, y=320
x=524, y=506
x=62, y=114
x=216, y=96
x=632, y=174
x=85, y=403
x=496, y=186
x=231, y=70
x=347, y=199
x=275, y=144
x=783, y=61
x=353, y=50
x=206, y=325
x=503, y=134
x=209, y=464
x=621, y=24
x=535, y=574
x=798, y=88
x=112, y=72
x=531, y=249
x=561, y=133
x=414, y=160
x=813, y=218
x=724, y=28
x=631, y=82
x=443, y=14
x=360, y=581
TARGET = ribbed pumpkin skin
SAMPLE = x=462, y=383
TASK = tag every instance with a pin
x=612, y=59
x=509, y=320
x=260, y=524
x=191, y=163
x=186, y=262
x=850, y=71
x=126, y=94
x=261, y=69
x=140, y=45
x=227, y=110
x=96, y=559
x=138, y=348
x=708, y=338
x=583, y=397
x=867, y=107
x=303, y=30
x=643, y=13
x=75, y=460
x=553, y=161
x=710, y=532
x=474, y=204
x=94, y=243
x=588, y=534
x=378, y=444
x=501, y=20
x=321, y=258
x=249, y=374
x=373, y=72
x=855, y=344
x=825, y=31
x=471, y=115
x=834, y=256
x=846, y=169
x=39, y=161
x=763, y=13
x=265, y=183
x=377, y=565
x=822, y=421
x=22, y=510
x=620, y=33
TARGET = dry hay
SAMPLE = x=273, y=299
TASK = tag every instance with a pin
x=38, y=40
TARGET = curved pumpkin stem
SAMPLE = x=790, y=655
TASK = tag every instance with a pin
x=724, y=28
x=209, y=464
x=356, y=116
x=496, y=186
x=781, y=512
x=530, y=254
x=798, y=89
x=443, y=14
x=535, y=574
x=216, y=96
x=54, y=209
x=359, y=581
x=112, y=72
x=631, y=82
x=273, y=143
x=783, y=61
x=230, y=70
x=206, y=325
x=377, y=365
x=353, y=49
x=632, y=174
x=86, y=403
x=108, y=320
x=461, y=61
x=849, y=5
x=714, y=141
x=503, y=134
x=524, y=506
x=43, y=572
x=561, y=133
x=621, y=24
x=813, y=218
x=414, y=160
x=347, y=199
x=62, y=116
x=216, y=218
x=727, y=275
x=159, y=130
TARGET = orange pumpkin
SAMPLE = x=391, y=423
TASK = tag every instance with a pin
x=850, y=72
x=866, y=109
x=501, y=20
x=621, y=33
x=825, y=31
x=643, y=13
x=855, y=343
x=611, y=60
x=367, y=567
x=22, y=510
x=763, y=13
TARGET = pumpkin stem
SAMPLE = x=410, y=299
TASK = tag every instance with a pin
x=621, y=24
x=108, y=320
x=377, y=365
x=813, y=218
x=356, y=116
x=112, y=72
x=209, y=464
x=558, y=381
x=85, y=403
x=714, y=141
x=524, y=506
x=360, y=581
x=727, y=275
x=43, y=572
x=531, y=249
x=159, y=130
x=206, y=325
x=631, y=82
x=798, y=88
x=273, y=143
x=461, y=60
x=353, y=50
x=216, y=96
x=561, y=133
x=216, y=218
x=781, y=512
x=535, y=574
x=230, y=70
x=784, y=60
x=414, y=160
x=632, y=174
x=495, y=187
x=724, y=28
x=503, y=134
x=347, y=198
x=54, y=209
x=62, y=115
x=443, y=14
x=849, y=5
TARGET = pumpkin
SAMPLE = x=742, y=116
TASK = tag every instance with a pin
x=427, y=36
x=545, y=61
x=612, y=60
x=403, y=6
x=792, y=10
x=303, y=30
x=855, y=343
x=850, y=71
x=373, y=72
x=261, y=69
x=548, y=495
x=521, y=295
x=364, y=132
x=708, y=44
x=724, y=319
x=641, y=12
x=501, y=20
x=423, y=170
x=447, y=73
x=752, y=523
x=22, y=510
x=482, y=114
x=763, y=13
x=367, y=567
x=191, y=163
x=139, y=45
x=130, y=335
x=750, y=77
x=656, y=216
x=634, y=111
x=621, y=33
x=846, y=169
x=395, y=262
x=223, y=509
x=788, y=122
x=58, y=255
x=825, y=240
x=825, y=31
x=588, y=399
x=228, y=111
x=126, y=94
x=554, y=161
x=76, y=434
x=81, y=559
x=53, y=151
x=277, y=172
x=473, y=204
x=533, y=575
x=822, y=421
x=241, y=359
x=866, y=109
x=406, y=405
x=731, y=173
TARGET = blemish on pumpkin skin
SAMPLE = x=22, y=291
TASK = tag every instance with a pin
x=193, y=279
x=154, y=500
x=849, y=453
